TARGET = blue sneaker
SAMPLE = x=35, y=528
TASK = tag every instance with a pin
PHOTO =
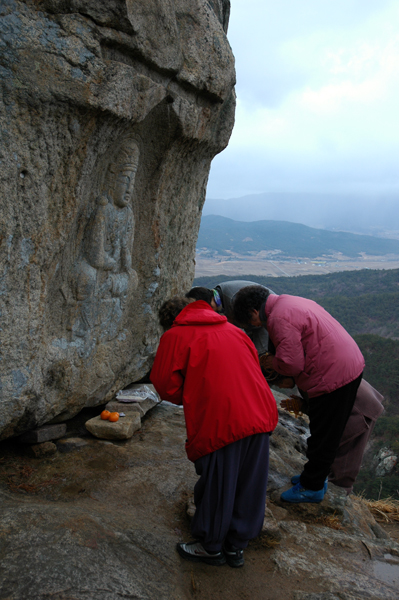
x=298, y=494
x=295, y=479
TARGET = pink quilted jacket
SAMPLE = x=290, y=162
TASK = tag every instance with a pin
x=311, y=345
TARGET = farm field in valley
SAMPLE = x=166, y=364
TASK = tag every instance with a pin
x=240, y=265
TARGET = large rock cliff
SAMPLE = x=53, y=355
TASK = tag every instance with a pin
x=110, y=114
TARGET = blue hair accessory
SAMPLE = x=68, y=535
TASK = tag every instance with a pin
x=217, y=299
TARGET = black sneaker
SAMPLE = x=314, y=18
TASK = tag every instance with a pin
x=196, y=552
x=234, y=555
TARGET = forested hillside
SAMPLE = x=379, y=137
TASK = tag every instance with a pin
x=366, y=303
x=345, y=283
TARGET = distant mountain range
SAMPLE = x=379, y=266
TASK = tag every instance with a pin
x=223, y=235
x=370, y=214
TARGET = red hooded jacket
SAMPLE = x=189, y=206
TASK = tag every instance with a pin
x=212, y=368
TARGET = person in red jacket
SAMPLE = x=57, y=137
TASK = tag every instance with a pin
x=211, y=367
x=326, y=364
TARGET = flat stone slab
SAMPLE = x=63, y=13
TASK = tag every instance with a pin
x=44, y=434
x=120, y=430
x=141, y=408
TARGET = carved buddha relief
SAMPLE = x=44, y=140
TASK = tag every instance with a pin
x=103, y=275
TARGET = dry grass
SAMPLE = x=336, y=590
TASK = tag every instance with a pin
x=384, y=510
x=331, y=521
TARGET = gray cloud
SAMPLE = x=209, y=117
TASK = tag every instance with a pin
x=317, y=87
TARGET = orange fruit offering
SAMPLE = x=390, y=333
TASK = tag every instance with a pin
x=114, y=416
x=105, y=415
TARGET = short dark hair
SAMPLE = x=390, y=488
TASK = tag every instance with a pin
x=170, y=309
x=248, y=299
x=200, y=293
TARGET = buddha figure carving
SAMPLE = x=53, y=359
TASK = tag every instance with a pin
x=103, y=275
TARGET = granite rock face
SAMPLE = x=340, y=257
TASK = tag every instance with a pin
x=110, y=114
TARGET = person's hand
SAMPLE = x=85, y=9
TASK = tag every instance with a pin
x=266, y=361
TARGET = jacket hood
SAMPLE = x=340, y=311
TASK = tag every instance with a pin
x=198, y=313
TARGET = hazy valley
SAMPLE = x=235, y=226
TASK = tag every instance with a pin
x=280, y=248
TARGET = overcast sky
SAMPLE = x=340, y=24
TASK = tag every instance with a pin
x=317, y=98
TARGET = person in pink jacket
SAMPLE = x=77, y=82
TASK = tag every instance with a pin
x=211, y=367
x=325, y=363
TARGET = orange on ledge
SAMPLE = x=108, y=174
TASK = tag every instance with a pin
x=114, y=416
x=105, y=415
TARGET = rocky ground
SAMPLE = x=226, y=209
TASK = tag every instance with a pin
x=100, y=519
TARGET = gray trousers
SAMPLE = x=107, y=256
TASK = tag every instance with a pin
x=230, y=494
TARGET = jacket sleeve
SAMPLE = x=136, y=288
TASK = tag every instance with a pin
x=289, y=358
x=166, y=376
